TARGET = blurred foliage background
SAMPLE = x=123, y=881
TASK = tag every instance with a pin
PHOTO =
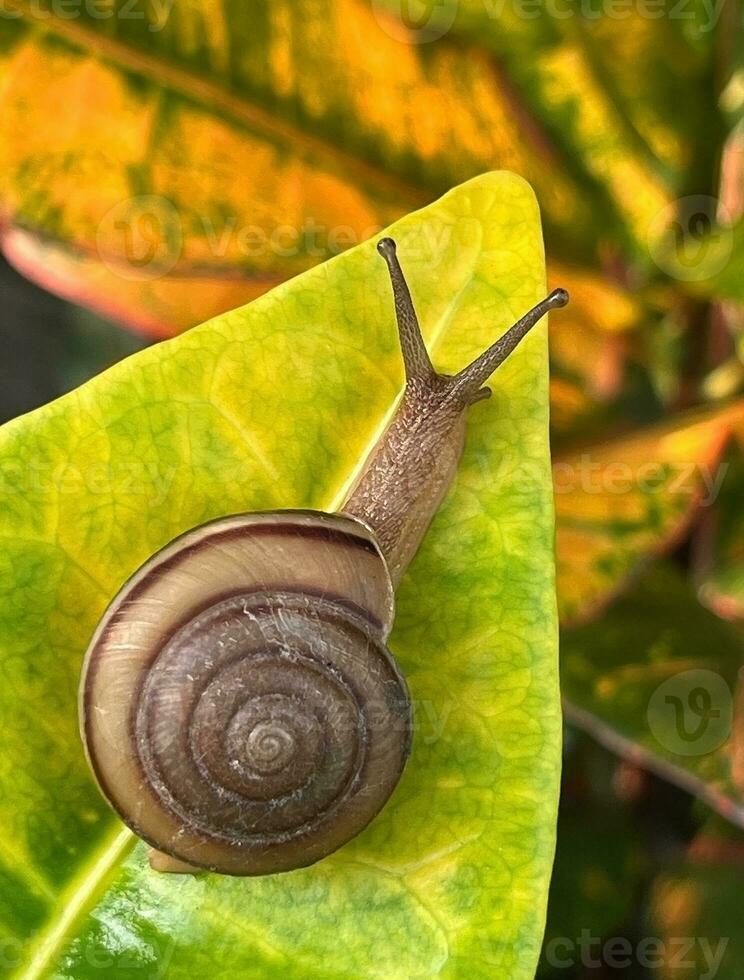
x=162, y=163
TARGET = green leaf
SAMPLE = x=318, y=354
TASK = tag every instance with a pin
x=588, y=355
x=707, y=265
x=622, y=502
x=720, y=547
x=599, y=859
x=604, y=92
x=656, y=680
x=192, y=158
x=699, y=896
x=276, y=405
x=723, y=262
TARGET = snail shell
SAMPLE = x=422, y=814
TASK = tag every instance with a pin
x=239, y=706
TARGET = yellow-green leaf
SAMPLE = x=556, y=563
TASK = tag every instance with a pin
x=276, y=405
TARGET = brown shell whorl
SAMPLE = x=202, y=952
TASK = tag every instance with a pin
x=262, y=719
x=263, y=726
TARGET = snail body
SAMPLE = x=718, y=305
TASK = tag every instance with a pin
x=239, y=706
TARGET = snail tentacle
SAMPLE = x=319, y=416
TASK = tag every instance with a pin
x=416, y=360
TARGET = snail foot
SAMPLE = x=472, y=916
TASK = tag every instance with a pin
x=164, y=863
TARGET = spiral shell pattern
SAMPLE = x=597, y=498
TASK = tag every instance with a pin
x=281, y=705
x=266, y=725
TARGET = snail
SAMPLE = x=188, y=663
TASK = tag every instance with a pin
x=239, y=707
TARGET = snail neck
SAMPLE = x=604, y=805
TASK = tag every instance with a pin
x=409, y=470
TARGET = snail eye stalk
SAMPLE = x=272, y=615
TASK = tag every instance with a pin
x=467, y=385
x=469, y=381
x=416, y=358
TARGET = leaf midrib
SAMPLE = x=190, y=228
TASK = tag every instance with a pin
x=73, y=902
